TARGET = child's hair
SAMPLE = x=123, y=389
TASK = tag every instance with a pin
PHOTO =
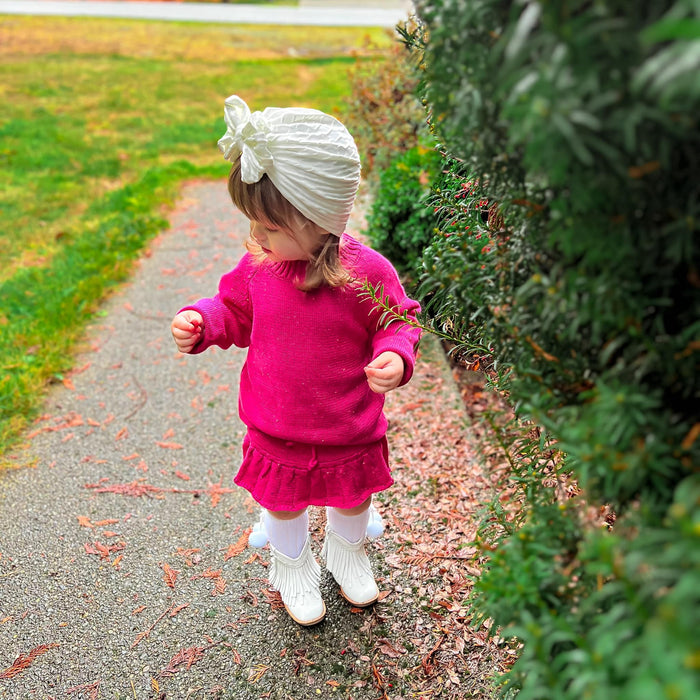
x=262, y=201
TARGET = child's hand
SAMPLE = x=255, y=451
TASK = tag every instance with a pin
x=187, y=328
x=385, y=372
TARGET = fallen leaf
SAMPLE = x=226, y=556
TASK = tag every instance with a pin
x=177, y=608
x=188, y=555
x=209, y=573
x=257, y=672
x=170, y=575
x=92, y=689
x=273, y=599
x=255, y=556
x=184, y=658
x=102, y=549
x=215, y=491
x=23, y=662
x=134, y=488
x=173, y=610
x=239, y=546
x=388, y=649
x=412, y=406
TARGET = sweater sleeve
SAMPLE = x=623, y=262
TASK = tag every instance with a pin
x=397, y=336
x=228, y=316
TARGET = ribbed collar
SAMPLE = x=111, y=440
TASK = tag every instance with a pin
x=295, y=270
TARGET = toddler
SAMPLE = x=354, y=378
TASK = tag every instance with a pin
x=319, y=361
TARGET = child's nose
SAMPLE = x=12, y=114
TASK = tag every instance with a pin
x=258, y=233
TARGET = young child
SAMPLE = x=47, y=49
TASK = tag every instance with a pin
x=319, y=361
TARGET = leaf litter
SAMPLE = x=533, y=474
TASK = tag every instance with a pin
x=171, y=612
x=185, y=659
x=428, y=645
x=139, y=488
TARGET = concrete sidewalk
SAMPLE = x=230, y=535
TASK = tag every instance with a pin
x=331, y=14
x=123, y=566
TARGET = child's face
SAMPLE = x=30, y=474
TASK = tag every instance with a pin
x=279, y=245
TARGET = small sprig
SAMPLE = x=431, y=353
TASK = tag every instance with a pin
x=392, y=314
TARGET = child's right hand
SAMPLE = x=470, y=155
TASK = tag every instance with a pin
x=187, y=328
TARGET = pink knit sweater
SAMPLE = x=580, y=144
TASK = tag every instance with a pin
x=303, y=379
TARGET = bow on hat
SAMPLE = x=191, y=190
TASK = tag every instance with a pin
x=246, y=136
x=309, y=156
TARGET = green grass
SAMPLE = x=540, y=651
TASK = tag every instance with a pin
x=102, y=121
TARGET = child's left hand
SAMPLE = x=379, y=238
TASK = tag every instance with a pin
x=385, y=372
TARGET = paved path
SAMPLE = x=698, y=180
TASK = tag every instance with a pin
x=134, y=460
x=333, y=15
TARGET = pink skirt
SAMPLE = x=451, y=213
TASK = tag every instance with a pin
x=284, y=475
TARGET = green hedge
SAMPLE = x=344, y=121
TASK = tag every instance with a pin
x=400, y=224
x=567, y=244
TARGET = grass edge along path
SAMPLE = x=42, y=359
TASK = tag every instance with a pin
x=68, y=140
x=46, y=309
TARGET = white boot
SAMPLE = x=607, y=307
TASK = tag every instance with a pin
x=298, y=581
x=348, y=563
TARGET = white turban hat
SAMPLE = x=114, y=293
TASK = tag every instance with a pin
x=309, y=156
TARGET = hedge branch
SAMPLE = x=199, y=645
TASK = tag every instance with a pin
x=391, y=314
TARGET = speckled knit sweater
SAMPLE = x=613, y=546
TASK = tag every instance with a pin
x=303, y=379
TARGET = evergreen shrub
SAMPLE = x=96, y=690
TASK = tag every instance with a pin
x=383, y=112
x=576, y=126
x=400, y=225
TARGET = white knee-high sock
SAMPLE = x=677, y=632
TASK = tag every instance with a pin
x=287, y=536
x=349, y=527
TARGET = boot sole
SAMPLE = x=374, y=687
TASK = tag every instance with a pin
x=307, y=623
x=359, y=605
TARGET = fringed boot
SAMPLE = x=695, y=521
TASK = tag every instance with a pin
x=348, y=561
x=298, y=581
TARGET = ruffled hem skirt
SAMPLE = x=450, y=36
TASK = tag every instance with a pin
x=284, y=475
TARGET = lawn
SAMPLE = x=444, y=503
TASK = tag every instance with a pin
x=101, y=122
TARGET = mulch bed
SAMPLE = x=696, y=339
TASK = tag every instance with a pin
x=429, y=647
